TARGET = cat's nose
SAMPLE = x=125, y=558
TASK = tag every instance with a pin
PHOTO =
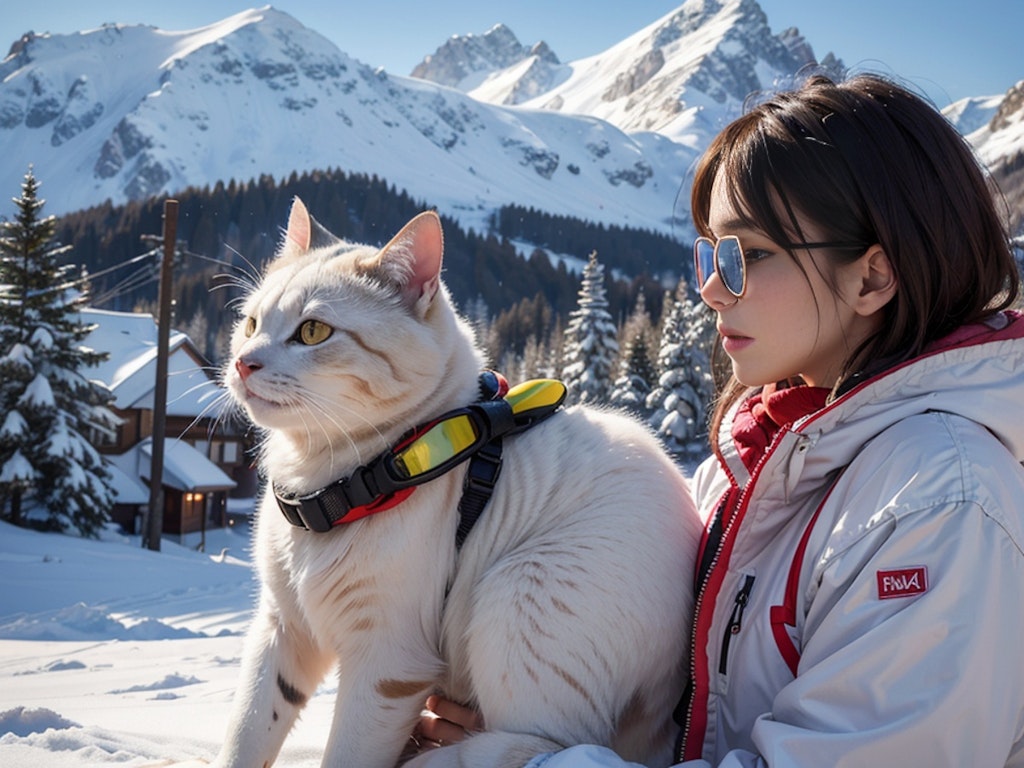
x=245, y=369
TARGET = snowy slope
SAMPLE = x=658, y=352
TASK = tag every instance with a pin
x=112, y=654
x=994, y=126
x=973, y=113
x=127, y=112
x=998, y=136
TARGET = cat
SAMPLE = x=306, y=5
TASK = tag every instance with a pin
x=564, y=617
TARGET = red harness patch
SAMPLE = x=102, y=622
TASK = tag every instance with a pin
x=902, y=582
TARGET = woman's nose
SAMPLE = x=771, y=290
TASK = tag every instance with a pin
x=715, y=294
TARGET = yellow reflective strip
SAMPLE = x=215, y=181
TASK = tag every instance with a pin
x=437, y=445
x=536, y=393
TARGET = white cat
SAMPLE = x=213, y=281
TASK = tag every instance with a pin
x=564, y=617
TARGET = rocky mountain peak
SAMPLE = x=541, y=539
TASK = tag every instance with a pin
x=1011, y=109
x=464, y=55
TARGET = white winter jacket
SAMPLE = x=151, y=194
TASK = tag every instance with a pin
x=865, y=605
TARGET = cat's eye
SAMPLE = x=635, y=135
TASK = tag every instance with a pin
x=314, y=332
x=250, y=326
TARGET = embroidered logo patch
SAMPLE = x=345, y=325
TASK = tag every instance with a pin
x=902, y=582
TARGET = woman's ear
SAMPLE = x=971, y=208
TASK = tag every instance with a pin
x=878, y=281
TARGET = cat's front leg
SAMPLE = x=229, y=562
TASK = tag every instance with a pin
x=379, y=701
x=281, y=667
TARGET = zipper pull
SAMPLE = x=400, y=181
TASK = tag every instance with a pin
x=735, y=620
x=742, y=598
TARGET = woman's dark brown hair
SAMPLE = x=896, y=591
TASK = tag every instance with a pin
x=868, y=161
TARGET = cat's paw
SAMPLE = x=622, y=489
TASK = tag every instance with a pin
x=171, y=764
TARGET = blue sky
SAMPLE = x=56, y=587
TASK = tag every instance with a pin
x=947, y=48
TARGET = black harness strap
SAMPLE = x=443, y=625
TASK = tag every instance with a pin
x=484, y=466
x=481, y=477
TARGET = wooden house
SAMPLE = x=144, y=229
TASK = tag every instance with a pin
x=205, y=458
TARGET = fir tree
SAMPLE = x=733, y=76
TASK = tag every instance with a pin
x=534, y=360
x=637, y=372
x=680, y=401
x=590, y=343
x=631, y=389
x=553, y=352
x=50, y=475
x=478, y=316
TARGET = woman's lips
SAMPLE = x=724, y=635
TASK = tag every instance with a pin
x=733, y=341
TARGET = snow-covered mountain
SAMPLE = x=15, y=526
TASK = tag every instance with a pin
x=680, y=76
x=464, y=61
x=994, y=126
x=126, y=112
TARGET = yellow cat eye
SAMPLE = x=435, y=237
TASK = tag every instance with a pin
x=250, y=326
x=314, y=332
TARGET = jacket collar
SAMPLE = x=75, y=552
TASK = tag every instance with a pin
x=984, y=356
x=762, y=415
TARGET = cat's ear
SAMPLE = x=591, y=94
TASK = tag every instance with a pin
x=413, y=260
x=303, y=233
x=299, y=234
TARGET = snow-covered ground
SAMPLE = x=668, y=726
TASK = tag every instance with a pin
x=112, y=654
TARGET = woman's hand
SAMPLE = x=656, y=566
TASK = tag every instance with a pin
x=445, y=722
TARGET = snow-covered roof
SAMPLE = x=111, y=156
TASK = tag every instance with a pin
x=130, y=372
x=185, y=468
x=127, y=488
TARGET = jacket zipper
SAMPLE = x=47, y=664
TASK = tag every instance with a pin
x=735, y=621
x=688, y=697
x=742, y=493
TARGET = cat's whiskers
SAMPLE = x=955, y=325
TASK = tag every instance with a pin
x=320, y=443
x=252, y=274
x=309, y=453
x=221, y=405
x=278, y=388
x=324, y=407
x=307, y=444
x=225, y=281
x=260, y=447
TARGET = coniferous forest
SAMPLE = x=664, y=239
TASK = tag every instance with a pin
x=233, y=229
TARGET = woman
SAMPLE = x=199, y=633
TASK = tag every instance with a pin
x=859, y=589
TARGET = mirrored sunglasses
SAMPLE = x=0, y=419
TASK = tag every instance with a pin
x=725, y=258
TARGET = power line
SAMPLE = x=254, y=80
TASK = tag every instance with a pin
x=132, y=282
x=88, y=277
x=150, y=254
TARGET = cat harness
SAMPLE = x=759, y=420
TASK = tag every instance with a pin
x=430, y=450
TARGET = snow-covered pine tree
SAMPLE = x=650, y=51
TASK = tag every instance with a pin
x=679, y=403
x=636, y=371
x=631, y=389
x=554, y=352
x=591, y=346
x=51, y=476
x=478, y=315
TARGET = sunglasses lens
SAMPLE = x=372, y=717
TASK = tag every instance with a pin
x=730, y=264
x=703, y=260
x=443, y=441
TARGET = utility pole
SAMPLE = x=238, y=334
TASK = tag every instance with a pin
x=155, y=518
